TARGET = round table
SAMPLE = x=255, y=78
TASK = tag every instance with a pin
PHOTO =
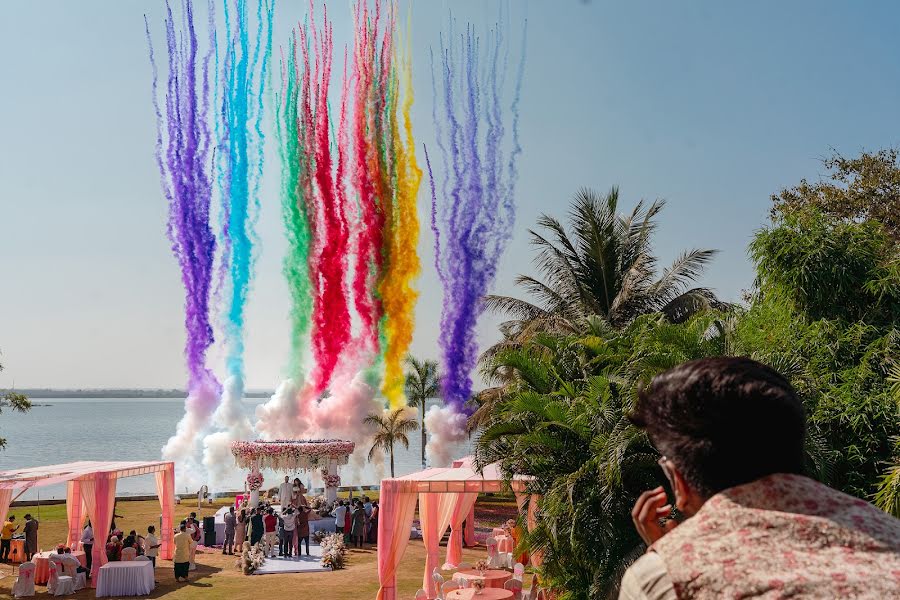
x=493, y=578
x=486, y=594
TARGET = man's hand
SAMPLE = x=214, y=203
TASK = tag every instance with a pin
x=647, y=512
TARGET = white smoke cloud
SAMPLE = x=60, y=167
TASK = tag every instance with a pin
x=184, y=447
x=446, y=429
x=233, y=424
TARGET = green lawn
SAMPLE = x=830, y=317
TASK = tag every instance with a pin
x=218, y=577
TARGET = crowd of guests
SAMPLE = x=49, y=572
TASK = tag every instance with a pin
x=287, y=530
x=357, y=520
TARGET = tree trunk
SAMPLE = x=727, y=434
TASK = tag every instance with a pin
x=423, y=434
x=392, y=461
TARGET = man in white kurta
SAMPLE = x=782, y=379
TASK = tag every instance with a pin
x=285, y=490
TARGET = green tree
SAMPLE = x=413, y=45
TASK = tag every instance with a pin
x=864, y=188
x=392, y=427
x=17, y=402
x=422, y=382
x=601, y=266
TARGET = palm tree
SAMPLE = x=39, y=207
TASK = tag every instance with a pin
x=602, y=266
x=392, y=427
x=422, y=383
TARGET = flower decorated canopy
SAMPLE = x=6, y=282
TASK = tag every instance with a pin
x=291, y=455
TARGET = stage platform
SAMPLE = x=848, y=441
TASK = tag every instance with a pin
x=304, y=564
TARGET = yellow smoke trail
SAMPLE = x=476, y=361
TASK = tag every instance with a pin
x=397, y=292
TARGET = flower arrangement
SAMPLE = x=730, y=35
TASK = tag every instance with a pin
x=331, y=481
x=252, y=558
x=334, y=552
x=291, y=455
x=478, y=586
x=481, y=566
x=254, y=481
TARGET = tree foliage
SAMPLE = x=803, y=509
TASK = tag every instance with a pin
x=391, y=428
x=423, y=381
x=14, y=401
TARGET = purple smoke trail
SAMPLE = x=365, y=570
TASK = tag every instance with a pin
x=475, y=188
x=183, y=149
x=434, y=221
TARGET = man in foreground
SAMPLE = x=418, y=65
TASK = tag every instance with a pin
x=9, y=528
x=182, y=557
x=731, y=432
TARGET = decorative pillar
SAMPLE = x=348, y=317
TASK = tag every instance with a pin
x=331, y=480
x=254, y=481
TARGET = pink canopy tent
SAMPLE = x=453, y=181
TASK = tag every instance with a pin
x=91, y=491
x=446, y=497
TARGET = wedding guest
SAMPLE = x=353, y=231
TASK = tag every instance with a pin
x=731, y=432
x=257, y=527
x=112, y=525
x=113, y=549
x=285, y=491
x=6, y=534
x=193, y=529
x=358, y=526
x=373, y=524
x=302, y=533
x=348, y=522
x=340, y=513
x=182, y=557
x=367, y=505
x=297, y=490
x=87, y=544
x=31, y=536
x=240, y=529
x=230, y=523
x=270, y=523
x=151, y=545
x=288, y=527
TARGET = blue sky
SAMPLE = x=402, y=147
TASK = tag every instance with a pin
x=710, y=105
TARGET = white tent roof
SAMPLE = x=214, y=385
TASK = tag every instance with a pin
x=52, y=474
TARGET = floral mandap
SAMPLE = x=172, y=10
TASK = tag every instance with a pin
x=292, y=455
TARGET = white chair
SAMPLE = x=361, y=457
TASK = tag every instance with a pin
x=507, y=560
x=515, y=586
x=59, y=585
x=493, y=555
x=461, y=580
x=142, y=558
x=128, y=554
x=463, y=566
x=532, y=592
x=449, y=586
x=437, y=578
x=421, y=594
x=24, y=585
x=70, y=568
x=518, y=571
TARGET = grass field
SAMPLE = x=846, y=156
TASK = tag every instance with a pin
x=218, y=577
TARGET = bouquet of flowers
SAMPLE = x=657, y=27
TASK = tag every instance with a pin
x=252, y=558
x=481, y=566
x=254, y=481
x=331, y=481
x=334, y=552
x=478, y=585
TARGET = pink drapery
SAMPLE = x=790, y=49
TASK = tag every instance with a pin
x=74, y=512
x=397, y=506
x=528, y=504
x=462, y=505
x=99, y=495
x=165, y=489
x=435, y=511
x=469, y=533
x=5, y=501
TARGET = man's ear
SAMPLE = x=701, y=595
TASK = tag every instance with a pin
x=687, y=500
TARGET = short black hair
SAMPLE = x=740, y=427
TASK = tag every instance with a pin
x=723, y=421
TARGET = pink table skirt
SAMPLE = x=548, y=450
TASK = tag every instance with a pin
x=486, y=594
x=42, y=564
x=17, y=550
x=493, y=578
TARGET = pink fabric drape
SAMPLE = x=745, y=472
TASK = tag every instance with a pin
x=165, y=489
x=99, y=496
x=397, y=506
x=528, y=504
x=469, y=533
x=435, y=511
x=462, y=505
x=5, y=501
x=74, y=512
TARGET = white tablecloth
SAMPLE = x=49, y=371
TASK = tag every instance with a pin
x=132, y=578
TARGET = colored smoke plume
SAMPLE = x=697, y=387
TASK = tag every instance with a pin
x=446, y=427
x=233, y=425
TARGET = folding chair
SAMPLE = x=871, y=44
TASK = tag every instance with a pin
x=24, y=585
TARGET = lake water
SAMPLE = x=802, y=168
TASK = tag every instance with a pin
x=69, y=430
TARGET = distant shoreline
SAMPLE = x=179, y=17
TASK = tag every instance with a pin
x=117, y=393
